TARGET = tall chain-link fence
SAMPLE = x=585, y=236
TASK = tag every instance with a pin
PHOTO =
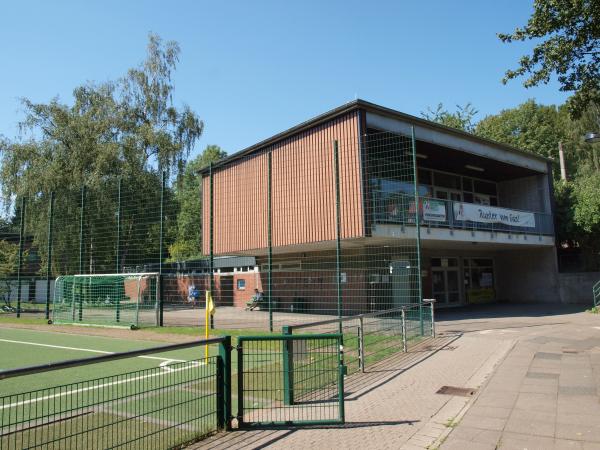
x=321, y=224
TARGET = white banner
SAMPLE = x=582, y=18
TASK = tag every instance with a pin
x=491, y=214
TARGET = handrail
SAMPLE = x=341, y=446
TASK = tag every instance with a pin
x=358, y=316
x=596, y=293
x=11, y=373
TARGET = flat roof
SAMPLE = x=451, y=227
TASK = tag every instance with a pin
x=369, y=107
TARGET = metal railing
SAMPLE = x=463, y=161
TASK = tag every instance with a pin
x=371, y=337
x=596, y=293
x=399, y=209
x=159, y=407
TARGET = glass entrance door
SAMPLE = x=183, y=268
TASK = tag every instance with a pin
x=445, y=281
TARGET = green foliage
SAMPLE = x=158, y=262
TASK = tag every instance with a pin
x=462, y=119
x=126, y=129
x=586, y=191
x=189, y=232
x=9, y=257
x=530, y=126
x=568, y=46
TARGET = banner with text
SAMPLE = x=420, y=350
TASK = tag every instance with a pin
x=491, y=214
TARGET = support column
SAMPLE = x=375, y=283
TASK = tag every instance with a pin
x=49, y=253
x=20, y=260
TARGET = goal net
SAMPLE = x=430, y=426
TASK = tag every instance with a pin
x=126, y=300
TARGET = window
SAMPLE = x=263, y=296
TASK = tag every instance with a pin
x=241, y=285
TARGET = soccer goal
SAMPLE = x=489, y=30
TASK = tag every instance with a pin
x=123, y=300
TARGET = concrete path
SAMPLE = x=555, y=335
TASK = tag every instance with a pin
x=535, y=370
x=544, y=394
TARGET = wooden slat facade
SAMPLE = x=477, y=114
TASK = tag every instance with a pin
x=303, y=191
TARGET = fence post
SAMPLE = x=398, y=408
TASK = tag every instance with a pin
x=240, y=383
x=338, y=249
x=20, y=260
x=161, y=302
x=417, y=225
x=361, y=345
x=404, y=343
x=211, y=259
x=341, y=374
x=270, y=243
x=118, y=227
x=431, y=302
x=288, y=367
x=224, y=384
x=49, y=254
x=81, y=221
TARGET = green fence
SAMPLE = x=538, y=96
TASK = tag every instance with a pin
x=266, y=364
x=160, y=407
x=370, y=338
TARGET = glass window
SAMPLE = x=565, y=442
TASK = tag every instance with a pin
x=493, y=201
x=425, y=176
x=446, y=180
x=467, y=184
x=484, y=187
x=468, y=197
x=241, y=285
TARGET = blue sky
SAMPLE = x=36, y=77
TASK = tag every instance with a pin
x=251, y=69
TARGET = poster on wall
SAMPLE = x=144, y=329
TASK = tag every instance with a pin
x=492, y=214
x=432, y=210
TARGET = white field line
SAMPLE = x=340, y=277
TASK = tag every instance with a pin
x=163, y=365
x=86, y=350
x=101, y=386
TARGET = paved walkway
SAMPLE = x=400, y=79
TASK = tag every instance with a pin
x=535, y=370
x=544, y=394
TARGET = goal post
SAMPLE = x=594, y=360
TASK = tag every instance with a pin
x=121, y=300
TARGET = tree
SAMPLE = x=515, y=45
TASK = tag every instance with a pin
x=128, y=129
x=9, y=258
x=569, y=48
x=462, y=119
x=189, y=232
x=530, y=126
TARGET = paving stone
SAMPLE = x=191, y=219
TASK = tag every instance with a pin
x=542, y=375
x=513, y=441
x=531, y=422
x=551, y=356
x=563, y=444
x=536, y=402
x=577, y=390
x=578, y=432
x=472, y=434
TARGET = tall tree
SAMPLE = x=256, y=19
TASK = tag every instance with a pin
x=189, y=220
x=530, y=126
x=568, y=36
x=128, y=129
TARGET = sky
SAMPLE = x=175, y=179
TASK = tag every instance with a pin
x=251, y=69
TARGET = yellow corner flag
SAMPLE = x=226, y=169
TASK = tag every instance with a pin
x=210, y=311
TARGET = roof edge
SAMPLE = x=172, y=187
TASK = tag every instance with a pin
x=373, y=107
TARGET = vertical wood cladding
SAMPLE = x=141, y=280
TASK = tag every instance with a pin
x=302, y=195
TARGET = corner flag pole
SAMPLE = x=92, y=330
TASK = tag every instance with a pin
x=209, y=311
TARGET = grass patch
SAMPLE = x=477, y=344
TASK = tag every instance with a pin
x=593, y=310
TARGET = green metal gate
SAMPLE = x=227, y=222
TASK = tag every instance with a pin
x=290, y=380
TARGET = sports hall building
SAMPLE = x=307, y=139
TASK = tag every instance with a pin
x=373, y=208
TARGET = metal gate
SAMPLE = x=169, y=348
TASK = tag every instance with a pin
x=290, y=380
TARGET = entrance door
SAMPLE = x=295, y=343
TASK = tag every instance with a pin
x=445, y=281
